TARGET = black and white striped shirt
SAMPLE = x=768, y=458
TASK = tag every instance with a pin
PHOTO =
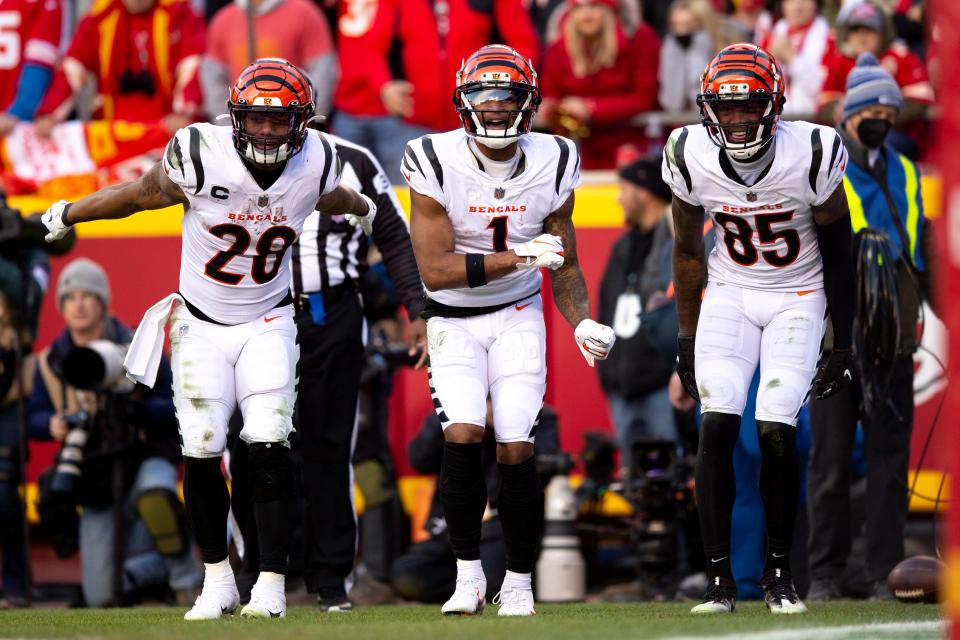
x=330, y=251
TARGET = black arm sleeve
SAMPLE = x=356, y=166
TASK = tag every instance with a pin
x=838, y=283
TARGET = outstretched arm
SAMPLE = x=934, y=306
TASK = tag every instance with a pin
x=569, y=289
x=154, y=190
x=434, y=246
x=689, y=263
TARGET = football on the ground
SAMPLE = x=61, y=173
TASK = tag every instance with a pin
x=916, y=579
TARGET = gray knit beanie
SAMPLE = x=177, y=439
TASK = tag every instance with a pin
x=83, y=275
x=870, y=84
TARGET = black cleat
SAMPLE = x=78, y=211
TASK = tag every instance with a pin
x=333, y=600
x=780, y=594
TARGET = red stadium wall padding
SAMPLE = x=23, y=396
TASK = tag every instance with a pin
x=143, y=270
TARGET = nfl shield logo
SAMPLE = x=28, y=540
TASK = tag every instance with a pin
x=751, y=196
x=499, y=192
x=263, y=201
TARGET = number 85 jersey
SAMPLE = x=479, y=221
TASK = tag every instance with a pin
x=234, y=262
x=766, y=238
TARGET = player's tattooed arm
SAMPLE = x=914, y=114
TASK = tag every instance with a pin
x=154, y=190
x=569, y=289
x=434, y=247
x=834, y=240
x=689, y=263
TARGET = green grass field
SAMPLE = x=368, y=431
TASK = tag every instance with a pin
x=842, y=620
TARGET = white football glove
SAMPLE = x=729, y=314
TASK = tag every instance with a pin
x=595, y=340
x=53, y=220
x=543, y=251
x=365, y=221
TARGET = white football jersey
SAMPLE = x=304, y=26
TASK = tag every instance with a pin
x=488, y=214
x=765, y=233
x=234, y=261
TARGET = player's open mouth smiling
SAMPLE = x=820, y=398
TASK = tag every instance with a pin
x=495, y=121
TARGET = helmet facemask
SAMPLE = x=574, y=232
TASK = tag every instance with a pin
x=268, y=151
x=496, y=114
x=741, y=140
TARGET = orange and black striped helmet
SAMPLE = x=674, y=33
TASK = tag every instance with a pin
x=497, y=95
x=276, y=89
x=738, y=76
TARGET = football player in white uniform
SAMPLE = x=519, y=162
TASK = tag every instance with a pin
x=774, y=191
x=246, y=192
x=492, y=203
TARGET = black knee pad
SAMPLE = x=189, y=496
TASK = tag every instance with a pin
x=777, y=440
x=165, y=520
x=273, y=472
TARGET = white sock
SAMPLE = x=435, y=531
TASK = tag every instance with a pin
x=218, y=570
x=470, y=569
x=514, y=580
x=270, y=580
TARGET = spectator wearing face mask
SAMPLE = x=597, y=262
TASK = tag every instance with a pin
x=882, y=188
x=798, y=41
x=687, y=48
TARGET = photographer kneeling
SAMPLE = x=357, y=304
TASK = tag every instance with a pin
x=120, y=448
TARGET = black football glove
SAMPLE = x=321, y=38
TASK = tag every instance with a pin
x=834, y=373
x=685, y=366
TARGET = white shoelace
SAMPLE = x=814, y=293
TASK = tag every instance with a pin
x=509, y=597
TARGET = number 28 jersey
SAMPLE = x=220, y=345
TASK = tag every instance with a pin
x=488, y=214
x=234, y=260
x=765, y=233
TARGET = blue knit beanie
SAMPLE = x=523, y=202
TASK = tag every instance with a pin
x=870, y=84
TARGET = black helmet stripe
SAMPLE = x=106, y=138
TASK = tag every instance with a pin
x=281, y=81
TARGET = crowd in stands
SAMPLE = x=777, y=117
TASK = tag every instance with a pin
x=385, y=69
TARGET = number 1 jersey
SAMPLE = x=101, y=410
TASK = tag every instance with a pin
x=765, y=233
x=234, y=260
x=489, y=214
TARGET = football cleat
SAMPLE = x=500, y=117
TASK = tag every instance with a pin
x=333, y=600
x=266, y=601
x=468, y=598
x=780, y=594
x=721, y=597
x=218, y=597
x=515, y=602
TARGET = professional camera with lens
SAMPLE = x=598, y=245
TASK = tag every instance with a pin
x=95, y=367
x=68, y=472
x=659, y=493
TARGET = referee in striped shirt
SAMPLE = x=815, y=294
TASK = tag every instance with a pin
x=328, y=260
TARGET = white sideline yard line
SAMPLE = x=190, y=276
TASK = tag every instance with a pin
x=876, y=630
